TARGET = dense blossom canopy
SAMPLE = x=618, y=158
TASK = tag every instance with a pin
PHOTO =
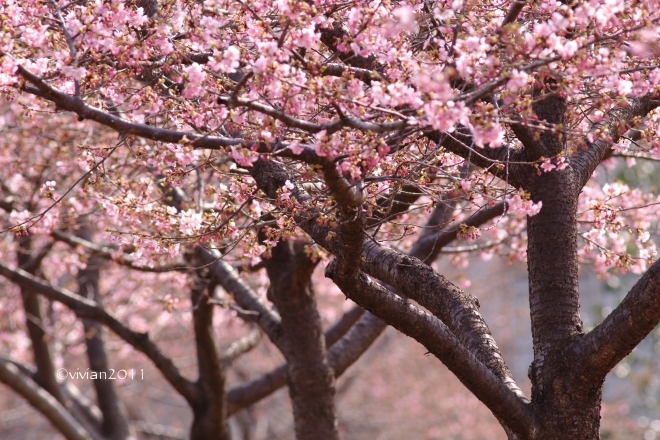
x=221, y=82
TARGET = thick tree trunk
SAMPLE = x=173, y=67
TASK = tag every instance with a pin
x=311, y=380
x=567, y=404
x=565, y=407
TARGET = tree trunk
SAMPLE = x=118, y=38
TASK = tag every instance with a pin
x=311, y=380
x=34, y=321
x=210, y=412
x=115, y=424
x=568, y=406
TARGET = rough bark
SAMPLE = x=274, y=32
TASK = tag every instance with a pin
x=565, y=407
x=441, y=342
x=311, y=380
x=433, y=334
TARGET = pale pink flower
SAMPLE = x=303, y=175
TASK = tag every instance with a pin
x=547, y=166
x=76, y=73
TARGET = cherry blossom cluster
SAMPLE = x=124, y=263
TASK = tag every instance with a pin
x=375, y=87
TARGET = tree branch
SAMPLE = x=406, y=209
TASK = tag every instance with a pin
x=210, y=415
x=311, y=380
x=43, y=401
x=606, y=133
x=115, y=421
x=225, y=275
x=430, y=243
x=241, y=346
x=332, y=37
x=341, y=355
x=311, y=127
x=66, y=102
x=524, y=134
x=35, y=323
x=441, y=342
x=84, y=308
x=83, y=409
x=414, y=279
x=630, y=322
x=504, y=162
x=343, y=325
x=515, y=10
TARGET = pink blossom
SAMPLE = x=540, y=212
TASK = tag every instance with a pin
x=243, y=156
x=491, y=135
x=547, y=166
x=562, y=163
x=76, y=73
x=517, y=80
x=567, y=49
x=260, y=65
x=48, y=189
x=308, y=37
x=295, y=147
x=7, y=71
x=523, y=206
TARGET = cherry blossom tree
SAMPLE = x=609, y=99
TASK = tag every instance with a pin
x=185, y=163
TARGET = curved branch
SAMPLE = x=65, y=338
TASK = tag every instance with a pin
x=39, y=398
x=66, y=102
x=81, y=408
x=241, y=346
x=414, y=279
x=524, y=134
x=630, y=322
x=441, y=342
x=429, y=245
x=341, y=355
x=34, y=322
x=311, y=127
x=515, y=10
x=505, y=162
x=226, y=276
x=84, y=308
x=608, y=132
